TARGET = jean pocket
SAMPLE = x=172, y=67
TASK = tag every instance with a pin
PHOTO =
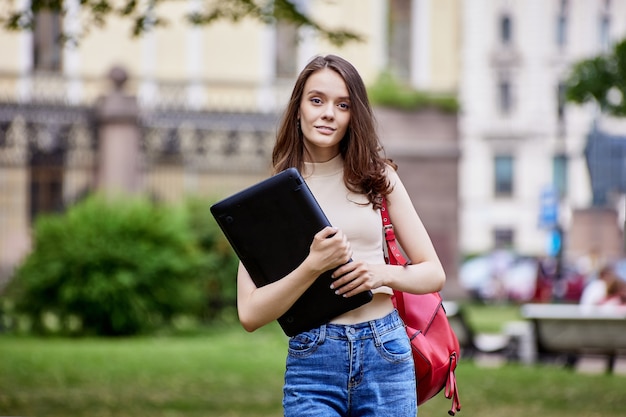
x=305, y=343
x=395, y=346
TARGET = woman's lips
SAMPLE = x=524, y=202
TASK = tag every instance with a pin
x=325, y=129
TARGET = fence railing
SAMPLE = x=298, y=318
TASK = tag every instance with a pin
x=180, y=150
x=201, y=95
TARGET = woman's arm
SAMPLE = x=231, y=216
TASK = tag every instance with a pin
x=259, y=306
x=425, y=274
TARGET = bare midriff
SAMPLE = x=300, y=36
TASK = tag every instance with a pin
x=379, y=307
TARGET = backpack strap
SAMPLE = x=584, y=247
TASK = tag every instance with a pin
x=394, y=255
x=451, y=390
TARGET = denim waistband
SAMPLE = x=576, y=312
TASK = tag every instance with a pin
x=364, y=330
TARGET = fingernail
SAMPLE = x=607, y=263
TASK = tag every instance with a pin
x=332, y=286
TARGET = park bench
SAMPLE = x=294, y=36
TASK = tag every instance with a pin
x=570, y=329
x=470, y=341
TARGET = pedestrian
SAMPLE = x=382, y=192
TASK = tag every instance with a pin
x=360, y=363
x=606, y=289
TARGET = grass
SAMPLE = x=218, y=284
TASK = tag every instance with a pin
x=226, y=372
x=490, y=318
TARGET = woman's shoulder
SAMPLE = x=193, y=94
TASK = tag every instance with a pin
x=391, y=172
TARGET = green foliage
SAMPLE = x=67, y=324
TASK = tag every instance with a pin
x=601, y=79
x=388, y=92
x=145, y=16
x=118, y=267
x=219, y=262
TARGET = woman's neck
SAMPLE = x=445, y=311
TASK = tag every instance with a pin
x=320, y=155
x=330, y=167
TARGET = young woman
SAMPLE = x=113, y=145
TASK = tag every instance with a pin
x=359, y=364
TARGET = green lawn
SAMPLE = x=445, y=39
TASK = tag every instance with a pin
x=490, y=318
x=227, y=372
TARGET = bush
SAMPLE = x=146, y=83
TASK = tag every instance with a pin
x=219, y=263
x=388, y=92
x=120, y=267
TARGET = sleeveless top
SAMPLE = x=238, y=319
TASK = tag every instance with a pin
x=348, y=211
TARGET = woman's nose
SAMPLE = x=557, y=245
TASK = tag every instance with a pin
x=329, y=112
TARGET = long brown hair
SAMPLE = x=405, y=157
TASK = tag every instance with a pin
x=364, y=164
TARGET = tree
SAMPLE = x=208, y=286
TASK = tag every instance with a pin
x=601, y=79
x=144, y=15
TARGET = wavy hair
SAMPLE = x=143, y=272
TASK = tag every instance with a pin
x=364, y=164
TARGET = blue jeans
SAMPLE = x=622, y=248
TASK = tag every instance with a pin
x=361, y=370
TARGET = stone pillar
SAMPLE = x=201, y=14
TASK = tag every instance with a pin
x=15, y=239
x=425, y=145
x=119, y=135
x=595, y=229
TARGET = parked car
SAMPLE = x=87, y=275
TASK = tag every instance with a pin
x=506, y=276
x=499, y=275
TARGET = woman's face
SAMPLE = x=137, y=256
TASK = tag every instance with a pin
x=324, y=114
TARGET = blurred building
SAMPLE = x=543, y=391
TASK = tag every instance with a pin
x=230, y=66
x=194, y=109
x=524, y=169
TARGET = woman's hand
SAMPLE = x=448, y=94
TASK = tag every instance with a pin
x=330, y=248
x=354, y=278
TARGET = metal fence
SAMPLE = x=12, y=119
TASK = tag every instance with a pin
x=49, y=157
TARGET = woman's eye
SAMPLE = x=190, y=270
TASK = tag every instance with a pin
x=344, y=106
x=316, y=101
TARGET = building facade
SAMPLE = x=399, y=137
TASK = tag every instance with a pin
x=203, y=103
x=520, y=139
x=244, y=65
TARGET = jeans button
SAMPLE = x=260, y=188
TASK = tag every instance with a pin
x=351, y=330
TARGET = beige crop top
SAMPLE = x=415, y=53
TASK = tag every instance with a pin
x=351, y=213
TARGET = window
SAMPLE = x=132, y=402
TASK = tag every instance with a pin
x=506, y=34
x=560, y=100
x=503, y=238
x=559, y=174
x=503, y=167
x=605, y=30
x=560, y=109
x=561, y=25
x=505, y=101
x=605, y=26
x=400, y=38
x=47, y=46
x=561, y=31
x=46, y=183
x=286, y=50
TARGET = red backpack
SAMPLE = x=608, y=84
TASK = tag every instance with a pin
x=435, y=347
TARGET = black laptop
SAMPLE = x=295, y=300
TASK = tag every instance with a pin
x=271, y=226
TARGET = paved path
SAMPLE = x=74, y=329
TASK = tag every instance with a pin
x=590, y=364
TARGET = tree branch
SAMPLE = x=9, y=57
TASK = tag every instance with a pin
x=145, y=19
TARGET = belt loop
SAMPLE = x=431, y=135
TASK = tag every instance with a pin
x=322, y=333
x=375, y=333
